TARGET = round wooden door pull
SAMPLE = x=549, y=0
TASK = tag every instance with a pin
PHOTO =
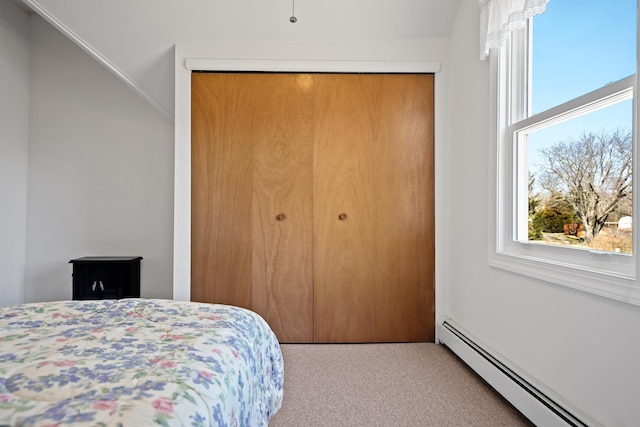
x=280, y=217
x=342, y=216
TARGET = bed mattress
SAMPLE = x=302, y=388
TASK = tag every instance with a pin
x=137, y=362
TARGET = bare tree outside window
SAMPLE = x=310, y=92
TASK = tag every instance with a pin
x=593, y=174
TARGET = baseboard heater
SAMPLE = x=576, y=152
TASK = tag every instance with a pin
x=539, y=407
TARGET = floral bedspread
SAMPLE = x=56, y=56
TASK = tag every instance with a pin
x=137, y=362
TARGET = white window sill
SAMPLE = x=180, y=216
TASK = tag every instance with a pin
x=619, y=287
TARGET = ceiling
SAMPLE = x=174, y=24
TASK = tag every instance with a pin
x=21, y=5
x=135, y=38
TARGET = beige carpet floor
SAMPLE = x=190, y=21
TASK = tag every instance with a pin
x=386, y=385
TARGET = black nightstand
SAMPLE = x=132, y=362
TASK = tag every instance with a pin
x=106, y=277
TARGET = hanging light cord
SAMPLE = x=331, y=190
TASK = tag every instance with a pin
x=293, y=18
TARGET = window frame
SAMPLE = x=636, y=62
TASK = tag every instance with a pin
x=607, y=274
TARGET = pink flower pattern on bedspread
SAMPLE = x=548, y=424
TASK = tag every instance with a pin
x=137, y=362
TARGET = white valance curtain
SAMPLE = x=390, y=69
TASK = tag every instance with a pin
x=499, y=17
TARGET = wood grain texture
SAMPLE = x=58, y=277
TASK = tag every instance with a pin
x=343, y=176
x=312, y=147
x=404, y=209
x=283, y=185
x=221, y=179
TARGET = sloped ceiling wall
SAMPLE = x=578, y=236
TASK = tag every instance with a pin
x=135, y=38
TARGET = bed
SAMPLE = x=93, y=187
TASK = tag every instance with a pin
x=137, y=362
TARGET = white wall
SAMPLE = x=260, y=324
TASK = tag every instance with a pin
x=100, y=179
x=137, y=36
x=583, y=347
x=14, y=134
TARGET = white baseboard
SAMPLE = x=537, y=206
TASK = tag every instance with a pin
x=540, y=406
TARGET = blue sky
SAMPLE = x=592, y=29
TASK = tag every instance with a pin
x=580, y=46
x=570, y=60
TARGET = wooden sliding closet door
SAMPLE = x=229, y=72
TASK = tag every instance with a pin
x=373, y=204
x=283, y=204
x=404, y=212
x=344, y=208
x=221, y=198
x=252, y=197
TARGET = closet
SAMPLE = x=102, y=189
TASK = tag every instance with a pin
x=312, y=202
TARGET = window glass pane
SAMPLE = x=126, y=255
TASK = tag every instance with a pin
x=579, y=181
x=579, y=46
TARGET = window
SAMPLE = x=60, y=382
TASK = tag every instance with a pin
x=564, y=91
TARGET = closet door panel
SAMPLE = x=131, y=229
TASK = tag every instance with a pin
x=283, y=203
x=343, y=173
x=404, y=221
x=221, y=175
